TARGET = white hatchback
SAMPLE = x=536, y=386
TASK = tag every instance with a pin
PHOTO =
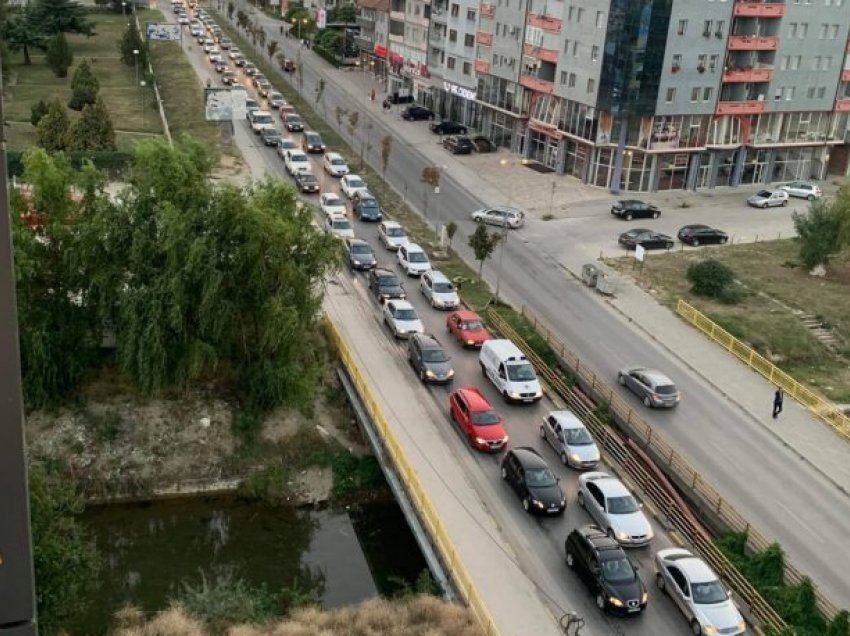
x=339, y=226
x=614, y=509
x=413, y=259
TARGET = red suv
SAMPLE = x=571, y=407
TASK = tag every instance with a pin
x=468, y=328
x=477, y=419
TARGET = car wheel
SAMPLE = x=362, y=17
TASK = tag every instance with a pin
x=504, y=473
x=647, y=401
x=483, y=369
x=505, y=396
x=696, y=628
x=564, y=459
x=542, y=433
x=660, y=582
x=764, y=206
x=655, y=215
x=570, y=559
x=695, y=242
x=422, y=374
x=621, y=379
x=580, y=498
x=600, y=601
x=723, y=241
x=784, y=203
x=811, y=197
x=628, y=216
x=463, y=131
x=526, y=504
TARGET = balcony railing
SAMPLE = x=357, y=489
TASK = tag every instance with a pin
x=842, y=105
x=751, y=107
x=482, y=67
x=483, y=38
x=552, y=25
x=752, y=9
x=753, y=42
x=536, y=84
x=754, y=75
x=546, y=55
x=487, y=10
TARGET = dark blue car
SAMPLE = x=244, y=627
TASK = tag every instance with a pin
x=367, y=208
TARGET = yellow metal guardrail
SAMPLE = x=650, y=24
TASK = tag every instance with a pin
x=817, y=404
x=672, y=463
x=426, y=510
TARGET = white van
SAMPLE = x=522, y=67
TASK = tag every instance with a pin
x=510, y=371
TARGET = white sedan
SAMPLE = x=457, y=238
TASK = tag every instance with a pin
x=502, y=216
x=339, y=226
x=698, y=592
x=402, y=319
x=614, y=509
x=332, y=203
x=352, y=183
x=334, y=164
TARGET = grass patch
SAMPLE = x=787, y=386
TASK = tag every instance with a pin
x=767, y=316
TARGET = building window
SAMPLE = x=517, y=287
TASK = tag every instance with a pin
x=600, y=19
x=452, y=35
x=676, y=63
x=695, y=94
x=571, y=81
x=594, y=53
x=706, y=29
x=591, y=85
x=707, y=93
x=821, y=92
x=455, y=10
x=450, y=62
x=671, y=95
x=470, y=14
x=683, y=27
x=469, y=40
x=810, y=92
x=467, y=68
x=790, y=91
x=563, y=77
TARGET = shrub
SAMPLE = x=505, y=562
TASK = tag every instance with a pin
x=37, y=111
x=817, y=233
x=84, y=87
x=58, y=55
x=710, y=278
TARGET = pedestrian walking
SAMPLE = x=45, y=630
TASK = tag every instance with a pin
x=386, y=104
x=777, y=403
x=372, y=95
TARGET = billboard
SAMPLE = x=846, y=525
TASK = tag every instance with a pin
x=218, y=104
x=154, y=31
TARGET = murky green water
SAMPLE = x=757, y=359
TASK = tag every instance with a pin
x=151, y=549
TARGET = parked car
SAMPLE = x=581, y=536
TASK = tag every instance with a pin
x=276, y=100
x=351, y=183
x=482, y=144
x=570, y=439
x=392, y=235
x=402, y=319
x=417, y=113
x=698, y=592
x=413, y=259
x=768, y=199
x=629, y=209
x=293, y=122
x=468, y=328
x=312, y=142
x=331, y=203
x=448, y=128
x=647, y=238
x=458, y=144
x=366, y=207
x=288, y=66
x=527, y=473
x=439, y=290
x=385, y=285
x=339, y=226
x=654, y=388
x=428, y=358
x=802, y=190
x=477, y=420
x=613, y=507
x=701, y=235
x=285, y=145
x=334, y=164
x=306, y=182
x=604, y=568
x=503, y=216
x=360, y=254
x=270, y=136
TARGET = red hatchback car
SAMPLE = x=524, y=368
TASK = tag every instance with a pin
x=477, y=419
x=468, y=328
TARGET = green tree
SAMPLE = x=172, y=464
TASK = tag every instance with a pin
x=346, y=14
x=272, y=48
x=37, y=111
x=59, y=56
x=84, y=87
x=451, y=230
x=230, y=9
x=431, y=178
x=61, y=16
x=66, y=561
x=710, y=277
x=52, y=130
x=386, y=151
x=132, y=41
x=93, y=130
x=22, y=32
x=840, y=625
x=818, y=232
x=241, y=19
x=483, y=243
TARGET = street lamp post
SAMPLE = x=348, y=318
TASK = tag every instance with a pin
x=136, y=63
x=503, y=163
x=142, y=85
x=124, y=9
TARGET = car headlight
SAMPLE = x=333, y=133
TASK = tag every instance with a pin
x=615, y=601
x=622, y=536
x=356, y=262
x=563, y=502
x=644, y=597
x=740, y=626
x=429, y=373
x=514, y=395
x=480, y=440
x=450, y=373
x=470, y=343
x=538, y=504
x=709, y=629
x=576, y=458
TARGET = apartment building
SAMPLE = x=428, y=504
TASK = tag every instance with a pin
x=373, y=19
x=647, y=95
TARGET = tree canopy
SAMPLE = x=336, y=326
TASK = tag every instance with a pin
x=84, y=86
x=61, y=16
x=22, y=32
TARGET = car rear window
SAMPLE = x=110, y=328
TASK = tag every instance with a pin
x=395, y=231
x=472, y=325
x=387, y=281
x=443, y=288
x=666, y=389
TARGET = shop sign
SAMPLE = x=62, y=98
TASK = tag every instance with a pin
x=460, y=91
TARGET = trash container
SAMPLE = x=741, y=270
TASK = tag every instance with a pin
x=590, y=274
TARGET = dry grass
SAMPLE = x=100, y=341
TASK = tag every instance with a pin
x=778, y=292
x=410, y=616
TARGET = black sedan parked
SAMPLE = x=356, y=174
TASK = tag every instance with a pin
x=527, y=473
x=417, y=113
x=307, y=182
x=448, y=128
x=605, y=569
x=647, y=238
x=458, y=144
x=629, y=209
x=702, y=235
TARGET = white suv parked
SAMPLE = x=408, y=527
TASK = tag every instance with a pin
x=413, y=259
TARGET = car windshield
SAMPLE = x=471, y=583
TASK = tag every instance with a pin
x=622, y=505
x=288, y=143
x=484, y=418
x=709, y=593
x=250, y=103
x=539, y=477
x=299, y=158
x=359, y=248
x=368, y=203
x=405, y=314
x=339, y=161
x=275, y=96
x=356, y=183
x=434, y=355
x=666, y=389
x=334, y=201
x=388, y=281
x=763, y=193
x=578, y=437
x=472, y=325
x=293, y=119
x=521, y=372
x=313, y=139
x=308, y=178
x=443, y=288
x=396, y=232
x=617, y=570
x=417, y=257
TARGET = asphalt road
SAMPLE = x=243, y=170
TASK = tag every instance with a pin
x=781, y=495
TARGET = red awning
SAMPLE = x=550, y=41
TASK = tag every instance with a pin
x=380, y=51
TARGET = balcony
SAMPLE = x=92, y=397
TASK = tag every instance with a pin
x=752, y=76
x=552, y=25
x=752, y=107
x=845, y=75
x=546, y=55
x=752, y=9
x=484, y=39
x=536, y=84
x=487, y=10
x=482, y=67
x=842, y=105
x=753, y=43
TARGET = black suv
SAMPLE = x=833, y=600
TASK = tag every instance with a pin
x=458, y=144
x=527, y=473
x=605, y=569
x=448, y=128
x=629, y=209
x=416, y=113
x=312, y=142
x=385, y=285
x=366, y=207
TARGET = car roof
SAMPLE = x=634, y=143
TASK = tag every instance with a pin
x=694, y=568
x=310, y=132
x=528, y=457
x=598, y=538
x=413, y=247
x=401, y=304
x=567, y=419
x=392, y=224
x=333, y=155
x=657, y=376
x=466, y=314
x=427, y=341
x=608, y=484
x=357, y=241
x=383, y=271
x=438, y=276
x=475, y=398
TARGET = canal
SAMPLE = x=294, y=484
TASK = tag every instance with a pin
x=151, y=550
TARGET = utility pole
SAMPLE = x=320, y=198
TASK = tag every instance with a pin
x=17, y=594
